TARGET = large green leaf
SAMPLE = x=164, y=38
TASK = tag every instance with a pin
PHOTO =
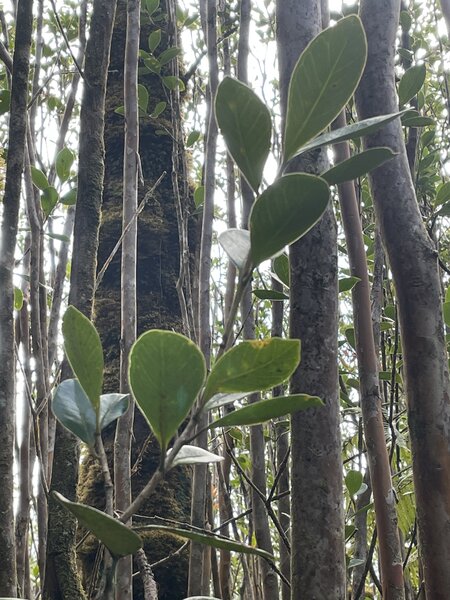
x=74, y=410
x=265, y=410
x=284, y=212
x=166, y=373
x=411, y=82
x=253, y=365
x=84, y=352
x=236, y=243
x=216, y=541
x=245, y=124
x=358, y=165
x=350, y=132
x=323, y=81
x=117, y=537
x=353, y=481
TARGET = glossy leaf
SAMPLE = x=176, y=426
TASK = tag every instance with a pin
x=284, y=212
x=84, y=352
x=236, y=243
x=63, y=163
x=166, y=373
x=265, y=410
x=222, y=399
x=411, y=82
x=216, y=541
x=245, y=124
x=350, y=132
x=253, y=365
x=112, y=406
x=273, y=295
x=117, y=537
x=191, y=455
x=73, y=409
x=358, y=165
x=323, y=81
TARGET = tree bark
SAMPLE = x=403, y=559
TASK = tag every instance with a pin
x=61, y=579
x=413, y=261
x=317, y=560
x=11, y=204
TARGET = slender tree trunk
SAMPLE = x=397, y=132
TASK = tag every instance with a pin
x=62, y=581
x=11, y=204
x=317, y=561
x=413, y=261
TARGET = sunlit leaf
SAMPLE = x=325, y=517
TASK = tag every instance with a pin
x=358, y=165
x=353, y=481
x=191, y=455
x=222, y=399
x=117, y=537
x=253, y=365
x=39, y=179
x=284, y=212
x=323, y=81
x=63, y=163
x=245, y=123
x=73, y=409
x=166, y=373
x=18, y=298
x=216, y=541
x=236, y=243
x=265, y=410
x=84, y=352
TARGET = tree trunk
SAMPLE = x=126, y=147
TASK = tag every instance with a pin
x=413, y=261
x=11, y=204
x=317, y=560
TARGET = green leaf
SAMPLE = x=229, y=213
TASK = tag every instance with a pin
x=273, y=295
x=245, y=123
x=417, y=121
x=222, y=399
x=411, y=82
x=154, y=40
x=350, y=132
x=159, y=108
x=84, y=352
x=18, y=298
x=358, y=165
x=443, y=194
x=73, y=409
x=199, y=195
x=446, y=309
x=168, y=55
x=5, y=101
x=209, y=539
x=117, y=537
x=152, y=64
x=63, y=163
x=348, y=283
x=112, y=406
x=353, y=481
x=405, y=20
x=49, y=199
x=171, y=82
x=350, y=337
x=236, y=243
x=152, y=6
x=323, y=81
x=70, y=197
x=142, y=97
x=166, y=373
x=192, y=138
x=193, y=455
x=58, y=236
x=281, y=269
x=39, y=179
x=265, y=410
x=284, y=212
x=253, y=365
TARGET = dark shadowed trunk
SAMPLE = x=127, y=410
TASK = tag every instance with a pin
x=413, y=261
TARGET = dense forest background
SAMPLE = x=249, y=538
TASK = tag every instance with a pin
x=224, y=299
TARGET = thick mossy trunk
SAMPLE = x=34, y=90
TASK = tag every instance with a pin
x=158, y=306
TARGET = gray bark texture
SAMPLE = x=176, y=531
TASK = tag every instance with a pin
x=317, y=535
x=413, y=260
x=11, y=203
